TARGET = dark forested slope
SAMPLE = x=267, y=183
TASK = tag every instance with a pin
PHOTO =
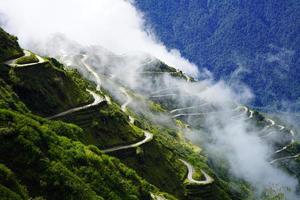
x=256, y=42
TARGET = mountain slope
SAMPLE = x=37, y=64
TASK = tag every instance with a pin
x=121, y=139
x=41, y=158
x=255, y=42
x=60, y=161
x=50, y=90
x=9, y=47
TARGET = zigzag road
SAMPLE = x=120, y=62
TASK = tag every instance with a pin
x=97, y=100
x=148, y=136
x=191, y=170
x=13, y=63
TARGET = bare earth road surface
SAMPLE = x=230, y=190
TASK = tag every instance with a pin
x=13, y=63
x=97, y=99
x=208, y=179
x=148, y=138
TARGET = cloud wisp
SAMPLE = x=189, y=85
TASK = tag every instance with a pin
x=114, y=24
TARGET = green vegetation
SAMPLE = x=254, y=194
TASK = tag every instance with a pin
x=50, y=90
x=222, y=36
x=156, y=107
x=162, y=67
x=9, y=47
x=9, y=100
x=58, y=167
x=105, y=126
x=62, y=159
x=27, y=59
x=10, y=188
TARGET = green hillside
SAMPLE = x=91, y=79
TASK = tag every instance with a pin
x=63, y=137
x=9, y=47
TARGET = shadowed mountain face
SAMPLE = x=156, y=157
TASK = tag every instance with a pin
x=9, y=47
x=256, y=42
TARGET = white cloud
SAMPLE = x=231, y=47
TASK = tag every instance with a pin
x=114, y=24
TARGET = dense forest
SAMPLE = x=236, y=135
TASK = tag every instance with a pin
x=252, y=42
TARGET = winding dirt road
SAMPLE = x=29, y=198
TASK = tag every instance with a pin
x=208, y=179
x=13, y=63
x=89, y=68
x=251, y=114
x=128, y=100
x=163, y=95
x=285, y=158
x=272, y=123
x=198, y=113
x=97, y=77
x=187, y=108
x=163, y=90
x=97, y=100
x=148, y=138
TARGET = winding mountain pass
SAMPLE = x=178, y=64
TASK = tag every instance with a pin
x=97, y=100
x=292, y=141
x=163, y=90
x=281, y=127
x=148, y=136
x=13, y=63
x=272, y=123
x=97, y=77
x=164, y=95
x=89, y=68
x=285, y=158
x=251, y=114
x=187, y=108
x=127, y=102
x=208, y=179
x=198, y=113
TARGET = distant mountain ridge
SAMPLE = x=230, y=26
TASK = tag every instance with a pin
x=256, y=42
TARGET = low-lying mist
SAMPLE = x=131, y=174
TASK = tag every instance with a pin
x=125, y=53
